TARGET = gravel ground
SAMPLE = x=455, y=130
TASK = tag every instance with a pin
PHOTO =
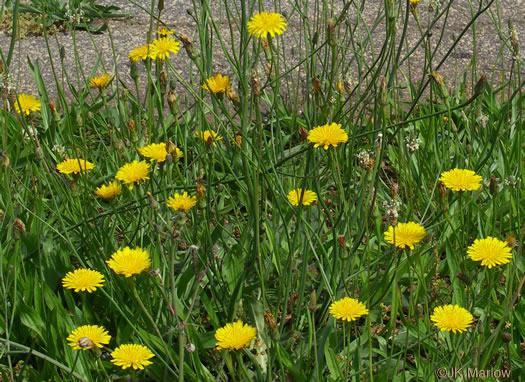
x=127, y=34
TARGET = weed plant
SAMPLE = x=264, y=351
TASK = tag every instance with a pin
x=236, y=250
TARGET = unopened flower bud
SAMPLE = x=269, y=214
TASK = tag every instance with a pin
x=172, y=98
x=19, y=226
x=493, y=185
x=152, y=202
x=131, y=125
x=316, y=84
x=312, y=304
x=163, y=77
x=438, y=80
x=134, y=72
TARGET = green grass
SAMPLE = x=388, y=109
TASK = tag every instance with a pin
x=244, y=252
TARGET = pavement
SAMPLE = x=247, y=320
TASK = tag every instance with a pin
x=491, y=46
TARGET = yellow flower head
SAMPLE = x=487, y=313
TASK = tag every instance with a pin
x=490, y=252
x=171, y=148
x=327, y=135
x=348, y=309
x=182, y=202
x=452, y=318
x=461, y=180
x=109, y=191
x=154, y=151
x=132, y=355
x=264, y=23
x=164, y=32
x=129, y=262
x=217, y=84
x=141, y=53
x=161, y=48
x=88, y=336
x=82, y=280
x=208, y=136
x=414, y=1
x=100, y=82
x=133, y=172
x=308, y=197
x=405, y=234
x=74, y=166
x=26, y=103
x=235, y=336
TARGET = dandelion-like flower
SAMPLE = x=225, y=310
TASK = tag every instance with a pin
x=327, y=135
x=164, y=32
x=217, y=84
x=235, y=336
x=208, y=136
x=161, y=48
x=100, y=82
x=82, y=280
x=74, y=166
x=181, y=202
x=141, y=53
x=490, y=252
x=264, y=23
x=132, y=355
x=26, y=103
x=452, y=318
x=171, y=148
x=405, y=234
x=88, y=336
x=294, y=197
x=109, y=191
x=133, y=172
x=461, y=180
x=129, y=262
x=348, y=309
x=154, y=151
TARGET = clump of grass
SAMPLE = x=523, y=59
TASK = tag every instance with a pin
x=317, y=211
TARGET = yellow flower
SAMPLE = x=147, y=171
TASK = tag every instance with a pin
x=217, y=84
x=452, y=318
x=327, y=135
x=415, y=1
x=132, y=355
x=88, y=336
x=100, y=82
x=182, y=202
x=405, y=234
x=26, y=103
x=235, y=336
x=133, y=172
x=461, y=180
x=164, y=32
x=308, y=197
x=129, y=262
x=490, y=252
x=348, y=309
x=170, y=148
x=208, y=136
x=74, y=166
x=154, y=151
x=264, y=23
x=161, y=48
x=109, y=191
x=141, y=53
x=82, y=280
